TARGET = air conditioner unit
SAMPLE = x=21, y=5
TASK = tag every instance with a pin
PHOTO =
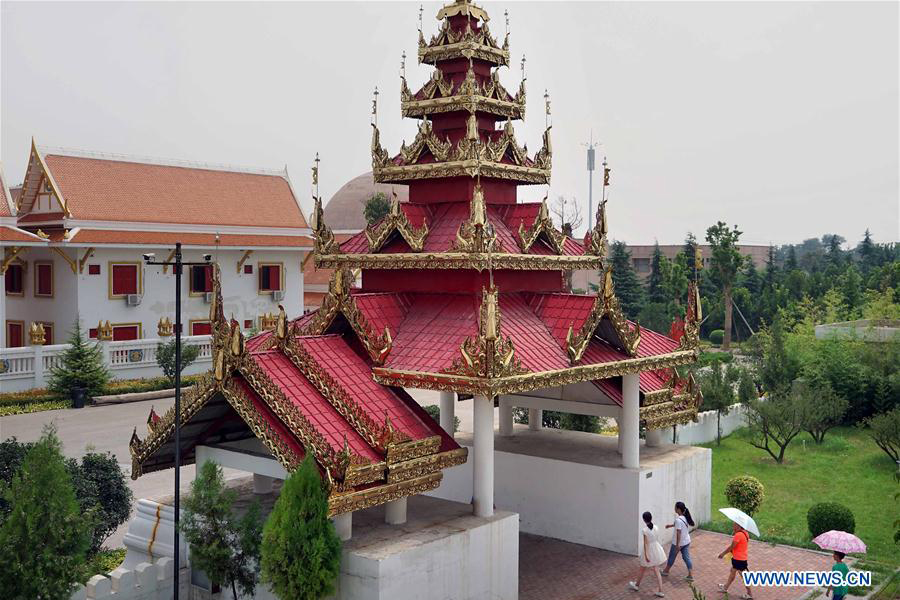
x=208, y=297
x=133, y=299
x=277, y=296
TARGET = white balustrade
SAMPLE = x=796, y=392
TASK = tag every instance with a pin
x=125, y=360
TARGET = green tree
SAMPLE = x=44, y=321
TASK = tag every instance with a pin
x=44, y=541
x=655, y=291
x=821, y=407
x=777, y=368
x=101, y=488
x=790, y=263
x=746, y=388
x=165, y=357
x=224, y=546
x=689, y=251
x=868, y=252
x=717, y=387
x=628, y=288
x=301, y=555
x=774, y=422
x=726, y=261
x=885, y=430
x=81, y=366
x=377, y=207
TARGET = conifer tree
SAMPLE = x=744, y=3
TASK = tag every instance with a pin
x=301, y=554
x=655, y=291
x=867, y=252
x=790, y=263
x=81, y=366
x=45, y=538
x=628, y=288
x=689, y=250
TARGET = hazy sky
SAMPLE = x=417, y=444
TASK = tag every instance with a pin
x=781, y=117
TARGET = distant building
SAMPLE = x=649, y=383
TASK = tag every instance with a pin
x=74, y=236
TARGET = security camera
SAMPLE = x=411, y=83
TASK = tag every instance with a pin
x=149, y=257
x=207, y=257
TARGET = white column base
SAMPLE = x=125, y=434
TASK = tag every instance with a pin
x=448, y=411
x=262, y=484
x=395, y=512
x=619, y=437
x=506, y=418
x=655, y=437
x=535, y=419
x=483, y=467
x=343, y=526
x=629, y=428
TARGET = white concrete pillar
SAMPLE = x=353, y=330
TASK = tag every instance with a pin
x=506, y=418
x=483, y=471
x=655, y=437
x=629, y=428
x=619, y=437
x=262, y=484
x=343, y=526
x=395, y=512
x=448, y=411
x=40, y=379
x=535, y=419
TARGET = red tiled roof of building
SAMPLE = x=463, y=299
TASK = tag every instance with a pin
x=119, y=190
x=13, y=234
x=383, y=310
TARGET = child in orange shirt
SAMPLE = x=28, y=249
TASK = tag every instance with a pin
x=738, y=550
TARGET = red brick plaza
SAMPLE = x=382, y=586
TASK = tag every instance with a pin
x=555, y=570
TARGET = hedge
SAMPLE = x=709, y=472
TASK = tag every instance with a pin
x=745, y=492
x=826, y=516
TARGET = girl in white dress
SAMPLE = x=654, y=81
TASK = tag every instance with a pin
x=652, y=555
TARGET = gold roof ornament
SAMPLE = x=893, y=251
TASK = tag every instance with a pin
x=237, y=338
x=595, y=241
x=475, y=235
x=40, y=233
x=36, y=334
x=542, y=224
x=164, y=327
x=462, y=7
x=216, y=307
x=281, y=326
x=268, y=321
x=104, y=331
x=488, y=354
x=396, y=221
x=690, y=339
x=323, y=238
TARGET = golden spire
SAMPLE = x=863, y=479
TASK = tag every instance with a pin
x=375, y=107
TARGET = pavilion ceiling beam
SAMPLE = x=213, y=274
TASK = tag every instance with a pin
x=83, y=260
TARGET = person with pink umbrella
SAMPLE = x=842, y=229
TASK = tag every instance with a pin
x=840, y=543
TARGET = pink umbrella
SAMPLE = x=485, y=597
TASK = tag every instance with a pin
x=843, y=542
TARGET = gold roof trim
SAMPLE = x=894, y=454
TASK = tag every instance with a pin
x=542, y=224
x=692, y=318
x=463, y=7
x=488, y=354
x=595, y=241
x=475, y=233
x=438, y=97
x=456, y=259
x=323, y=238
x=605, y=305
x=396, y=220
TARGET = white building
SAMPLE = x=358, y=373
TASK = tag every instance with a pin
x=73, y=238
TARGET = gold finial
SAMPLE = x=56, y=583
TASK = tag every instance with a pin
x=315, y=171
x=421, y=9
x=490, y=324
x=506, y=16
x=42, y=235
x=375, y=107
x=522, y=65
x=281, y=324
x=606, y=172
x=403, y=65
x=698, y=258
x=36, y=333
x=546, y=108
x=472, y=127
x=479, y=210
x=608, y=284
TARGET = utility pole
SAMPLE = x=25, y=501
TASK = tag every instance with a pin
x=591, y=165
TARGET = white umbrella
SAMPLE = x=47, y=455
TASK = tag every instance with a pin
x=742, y=519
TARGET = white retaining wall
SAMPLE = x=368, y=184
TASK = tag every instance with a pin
x=29, y=367
x=145, y=582
x=704, y=430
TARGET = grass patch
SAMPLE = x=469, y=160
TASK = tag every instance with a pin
x=18, y=409
x=847, y=468
x=105, y=561
x=891, y=591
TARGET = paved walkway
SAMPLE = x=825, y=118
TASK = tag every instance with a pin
x=555, y=570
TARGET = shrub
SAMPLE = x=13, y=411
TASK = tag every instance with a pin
x=165, y=358
x=222, y=545
x=301, y=553
x=552, y=419
x=716, y=337
x=44, y=541
x=885, y=430
x=434, y=411
x=826, y=516
x=100, y=485
x=745, y=492
x=81, y=366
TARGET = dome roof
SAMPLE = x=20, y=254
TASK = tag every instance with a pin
x=345, y=210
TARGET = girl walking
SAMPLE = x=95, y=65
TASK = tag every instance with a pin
x=738, y=551
x=652, y=555
x=681, y=541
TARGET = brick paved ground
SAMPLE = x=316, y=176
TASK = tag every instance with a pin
x=555, y=570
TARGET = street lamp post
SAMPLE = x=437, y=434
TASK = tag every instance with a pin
x=177, y=265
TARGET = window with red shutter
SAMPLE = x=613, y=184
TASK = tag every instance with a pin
x=126, y=332
x=248, y=269
x=93, y=269
x=200, y=328
x=248, y=323
x=43, y=279
x=15, y=280
x=92, y=333
x=14, y=334
x=124, y=280
x=48, y=333
x=269, y=278
x=201, y=279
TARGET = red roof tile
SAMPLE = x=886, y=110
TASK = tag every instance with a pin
x=111, y=236
x=383, y=310
x=13, y=234
x=116, y=190
x=433, y=330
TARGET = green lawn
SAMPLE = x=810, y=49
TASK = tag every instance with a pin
x=847, y=468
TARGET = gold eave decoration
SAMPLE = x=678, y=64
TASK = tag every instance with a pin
x=690, y=339
x=461, y=168
x=419, y=108
x=438, y=96
x=467, y=43
x=676, y=409
x=605, y=305
x=454, y=259
x=463, y=7
x=340, y=301
x=542, y=224
x=396, y=221
x=475, y=235
x=323, y=238
x=487, y=354
x=526, y=382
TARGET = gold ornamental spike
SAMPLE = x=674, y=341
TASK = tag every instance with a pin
x=490, y=326
x=478, y=208
x=608, y=284
x=281, y=326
